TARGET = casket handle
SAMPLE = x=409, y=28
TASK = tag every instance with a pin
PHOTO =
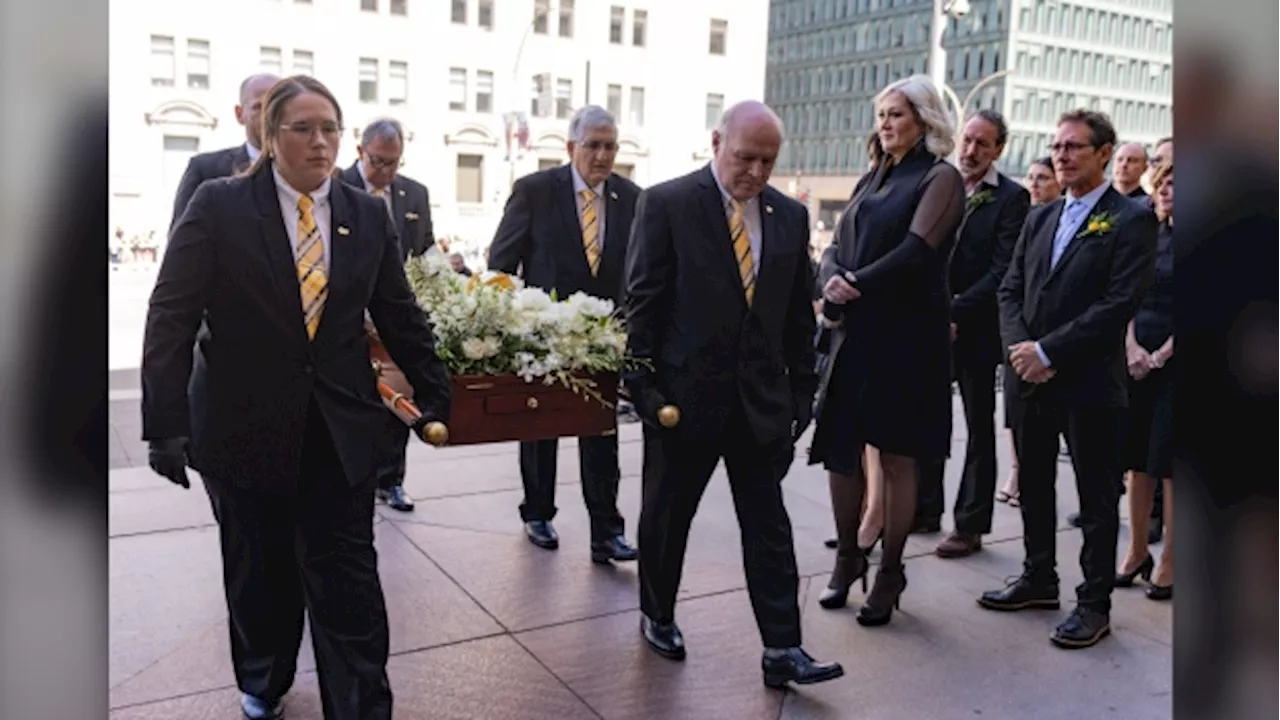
x=669, y=416
x=532, y=403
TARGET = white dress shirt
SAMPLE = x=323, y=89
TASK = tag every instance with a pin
x=320, y=212
x=1069, y=223
x=990, y=179
x=578, y=186
x=750, y=217
x=369, y=188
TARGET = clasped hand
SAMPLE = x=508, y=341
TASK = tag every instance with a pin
x=839, y=289
x=1026, y=362
x=1139, y=361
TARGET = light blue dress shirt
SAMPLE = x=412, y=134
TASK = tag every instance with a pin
x=1073, y=216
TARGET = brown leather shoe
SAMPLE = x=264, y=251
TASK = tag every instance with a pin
x=958, y=545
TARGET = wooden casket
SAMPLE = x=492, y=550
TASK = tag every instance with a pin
x=503, y=408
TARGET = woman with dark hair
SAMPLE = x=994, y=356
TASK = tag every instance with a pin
x=1149, y=421
x=284, y=262
x=1043, y=186
x=884, y=289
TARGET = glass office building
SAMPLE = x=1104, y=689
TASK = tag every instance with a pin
x=828, y=58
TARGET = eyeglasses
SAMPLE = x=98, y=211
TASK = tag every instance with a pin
x=384, y=163
x=596, y=146
x=1068, y=148
x=329, y=130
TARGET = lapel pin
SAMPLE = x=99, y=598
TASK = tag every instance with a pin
x=342, y=230
x=411, y=216
x=613, y=195
x=768, y=209
x=401, y=193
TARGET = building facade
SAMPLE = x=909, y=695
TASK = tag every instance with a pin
x=484, y=88
x=828, y=59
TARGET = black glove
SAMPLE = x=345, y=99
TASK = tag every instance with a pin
x=168, y=458
x=647, y=402
x=419, y=426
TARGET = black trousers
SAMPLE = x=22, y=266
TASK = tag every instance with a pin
x=392, y=447
x=676, y=473
x=598, y=466
x=312, y=550
x=975, y=502
x=1093, y=436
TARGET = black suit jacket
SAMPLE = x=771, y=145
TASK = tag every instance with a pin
x=540, y=236
x=411, y=206
x=979, y=259
x=687, y=312
x=206, y=166
x=230, y=260
x=1079, y=309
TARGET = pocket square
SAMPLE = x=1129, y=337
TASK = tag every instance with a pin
x=411, y=216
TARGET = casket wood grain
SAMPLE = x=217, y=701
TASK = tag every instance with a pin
x=502, y=408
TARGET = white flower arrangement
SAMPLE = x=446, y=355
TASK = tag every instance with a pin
x=490, y=324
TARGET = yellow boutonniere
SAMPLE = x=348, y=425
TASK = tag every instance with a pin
x=1098, y=224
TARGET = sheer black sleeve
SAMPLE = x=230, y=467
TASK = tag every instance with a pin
x=934, y=222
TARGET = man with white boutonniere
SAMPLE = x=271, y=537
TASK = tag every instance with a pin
x=377, y=172
x=1079, y=270
x=995, y=209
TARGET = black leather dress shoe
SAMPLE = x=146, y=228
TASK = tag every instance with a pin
x=255, y=708
x=1083, y=628
x=615, y=549
x=1022, y=594
x=783, y=665
x=1160, y=592
x=396, y=499
x=541, y=533
x=664, y=638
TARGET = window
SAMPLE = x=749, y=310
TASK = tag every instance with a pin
x=398, y=90
x=198, y=64
x=269, y=60
x=484, y=14
x=369, y=5
x=639, y=27
x=368, y=80
x=616, y=15
x=564, y=98
x=637, y=107
x=399, y=7
x=304, y=62
x=540, y=17
x=566, y=18
x=541, y=101
x=460, y=12
x=613, y=102
x=162, y=61
x=484, y=91
x=715, y=108
x=457, y=89
x=547, y=164
x=719, y=28
x=470, y=180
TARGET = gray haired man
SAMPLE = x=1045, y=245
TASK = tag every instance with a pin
x=377, y=172
x=566, y=229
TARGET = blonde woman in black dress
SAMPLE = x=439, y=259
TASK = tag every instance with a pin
x=886, y=301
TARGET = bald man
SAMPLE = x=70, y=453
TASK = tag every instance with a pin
x=232, y=160
x=1130, y=164
x=730, y=252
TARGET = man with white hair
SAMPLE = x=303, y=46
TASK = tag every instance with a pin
x=719, y=291
x=566, y=230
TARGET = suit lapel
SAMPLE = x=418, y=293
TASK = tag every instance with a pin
x=718, y=223
x=567, y=200
x=1105, y=205
x=344, y=238
x=239, y=160
x=1044, y=238
x=397, y=214
x=278, y=250
x=770, y=236
x=615, y=230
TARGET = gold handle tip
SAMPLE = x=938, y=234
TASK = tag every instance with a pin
x=436, y=433
x=669, y=416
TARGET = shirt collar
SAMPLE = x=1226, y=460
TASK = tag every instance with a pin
x=1090, y=198
x=990, y=179
x=252, y=151
x=368, y=186
x=318, y=196
x=725, y=193
x=579, y=184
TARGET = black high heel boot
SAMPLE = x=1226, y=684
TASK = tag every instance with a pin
x=848, y=569
x=884, y=597
x=1145, y=568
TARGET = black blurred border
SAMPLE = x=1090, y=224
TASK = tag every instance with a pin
x=1227, y=259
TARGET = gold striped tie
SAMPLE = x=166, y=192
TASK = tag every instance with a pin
x=590, y=230
x=311, y=274
x=742, y=250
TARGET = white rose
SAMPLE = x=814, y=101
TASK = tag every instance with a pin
x=474, y=348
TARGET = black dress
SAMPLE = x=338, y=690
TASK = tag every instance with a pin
x=1148, y=442
x=889, y=383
